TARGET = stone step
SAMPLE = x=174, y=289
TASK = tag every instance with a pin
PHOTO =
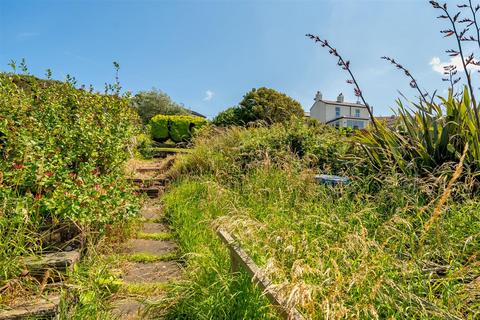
x=151, y=212
x=152, y=272
x=151, y=247
x=153, y=227
x=152, y=192
x=127, y=308
x=149, y=169
x=38, y=308
x=58, y=261
x=130, y=308
x=149, y=181
x=161, y=154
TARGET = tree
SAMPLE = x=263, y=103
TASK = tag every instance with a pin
x=228, y=117
x=262, y=104
x=153, y=102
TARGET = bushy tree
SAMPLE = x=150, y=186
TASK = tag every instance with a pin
x=153, y=102
x=228, y=117
x=262, y=104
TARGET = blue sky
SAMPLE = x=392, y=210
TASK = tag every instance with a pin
x=207, y=54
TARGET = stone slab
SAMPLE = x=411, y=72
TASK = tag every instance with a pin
x=153, y=247
x=152, y=227
x=153, y=272
x=40, y=308
x=59, y=261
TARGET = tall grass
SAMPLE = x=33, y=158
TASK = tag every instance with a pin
x=335, y=253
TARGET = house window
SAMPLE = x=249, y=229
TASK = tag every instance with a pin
x=337, y=112
x=355, y=124
x=357, y=113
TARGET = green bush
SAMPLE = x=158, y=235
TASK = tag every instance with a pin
x=180, y=129
x=261, y=105
x=159, y=128
x=144, y=145
x=62, y=161
x=228, y=117
x=176, y=128
x=232, y=151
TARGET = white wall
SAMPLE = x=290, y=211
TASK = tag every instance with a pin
x=345, y=111
x=317, y=111
x=326, y=112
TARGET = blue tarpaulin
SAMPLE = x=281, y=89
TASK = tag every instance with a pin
x=331, y=180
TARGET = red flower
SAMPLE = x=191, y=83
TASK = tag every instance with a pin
x=72, y=175
x=49, y=173
x=38, y=196
x=18, y=166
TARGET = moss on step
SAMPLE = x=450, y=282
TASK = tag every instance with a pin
x=155, y=236
x=147, y=257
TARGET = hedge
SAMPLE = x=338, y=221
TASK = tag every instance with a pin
x=176, y=128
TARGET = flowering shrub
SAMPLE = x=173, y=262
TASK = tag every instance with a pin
x=62, y=151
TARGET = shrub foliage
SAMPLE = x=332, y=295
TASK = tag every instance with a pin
x=176, y=128
x=262, y=104
x=62, y=155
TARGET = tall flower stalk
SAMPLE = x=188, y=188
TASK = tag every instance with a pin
x=345, y=65
x=461, y=35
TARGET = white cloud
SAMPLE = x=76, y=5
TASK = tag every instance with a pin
x=438, y=65
x=208, y=95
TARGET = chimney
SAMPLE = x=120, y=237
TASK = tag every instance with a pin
x=340, y=98
x=318, y=96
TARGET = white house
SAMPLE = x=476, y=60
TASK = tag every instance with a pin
x=340, y=113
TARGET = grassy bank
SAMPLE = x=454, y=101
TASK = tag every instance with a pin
x=357, y=251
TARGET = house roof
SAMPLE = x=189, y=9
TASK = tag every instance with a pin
x=196, y=113
x=347, y=117
x=347, y=104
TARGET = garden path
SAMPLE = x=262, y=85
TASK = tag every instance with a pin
x=151, y=254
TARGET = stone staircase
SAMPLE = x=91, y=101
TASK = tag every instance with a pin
x=152, y=253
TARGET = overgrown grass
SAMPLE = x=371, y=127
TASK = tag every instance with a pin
x=147, y=257
x=336, y=253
